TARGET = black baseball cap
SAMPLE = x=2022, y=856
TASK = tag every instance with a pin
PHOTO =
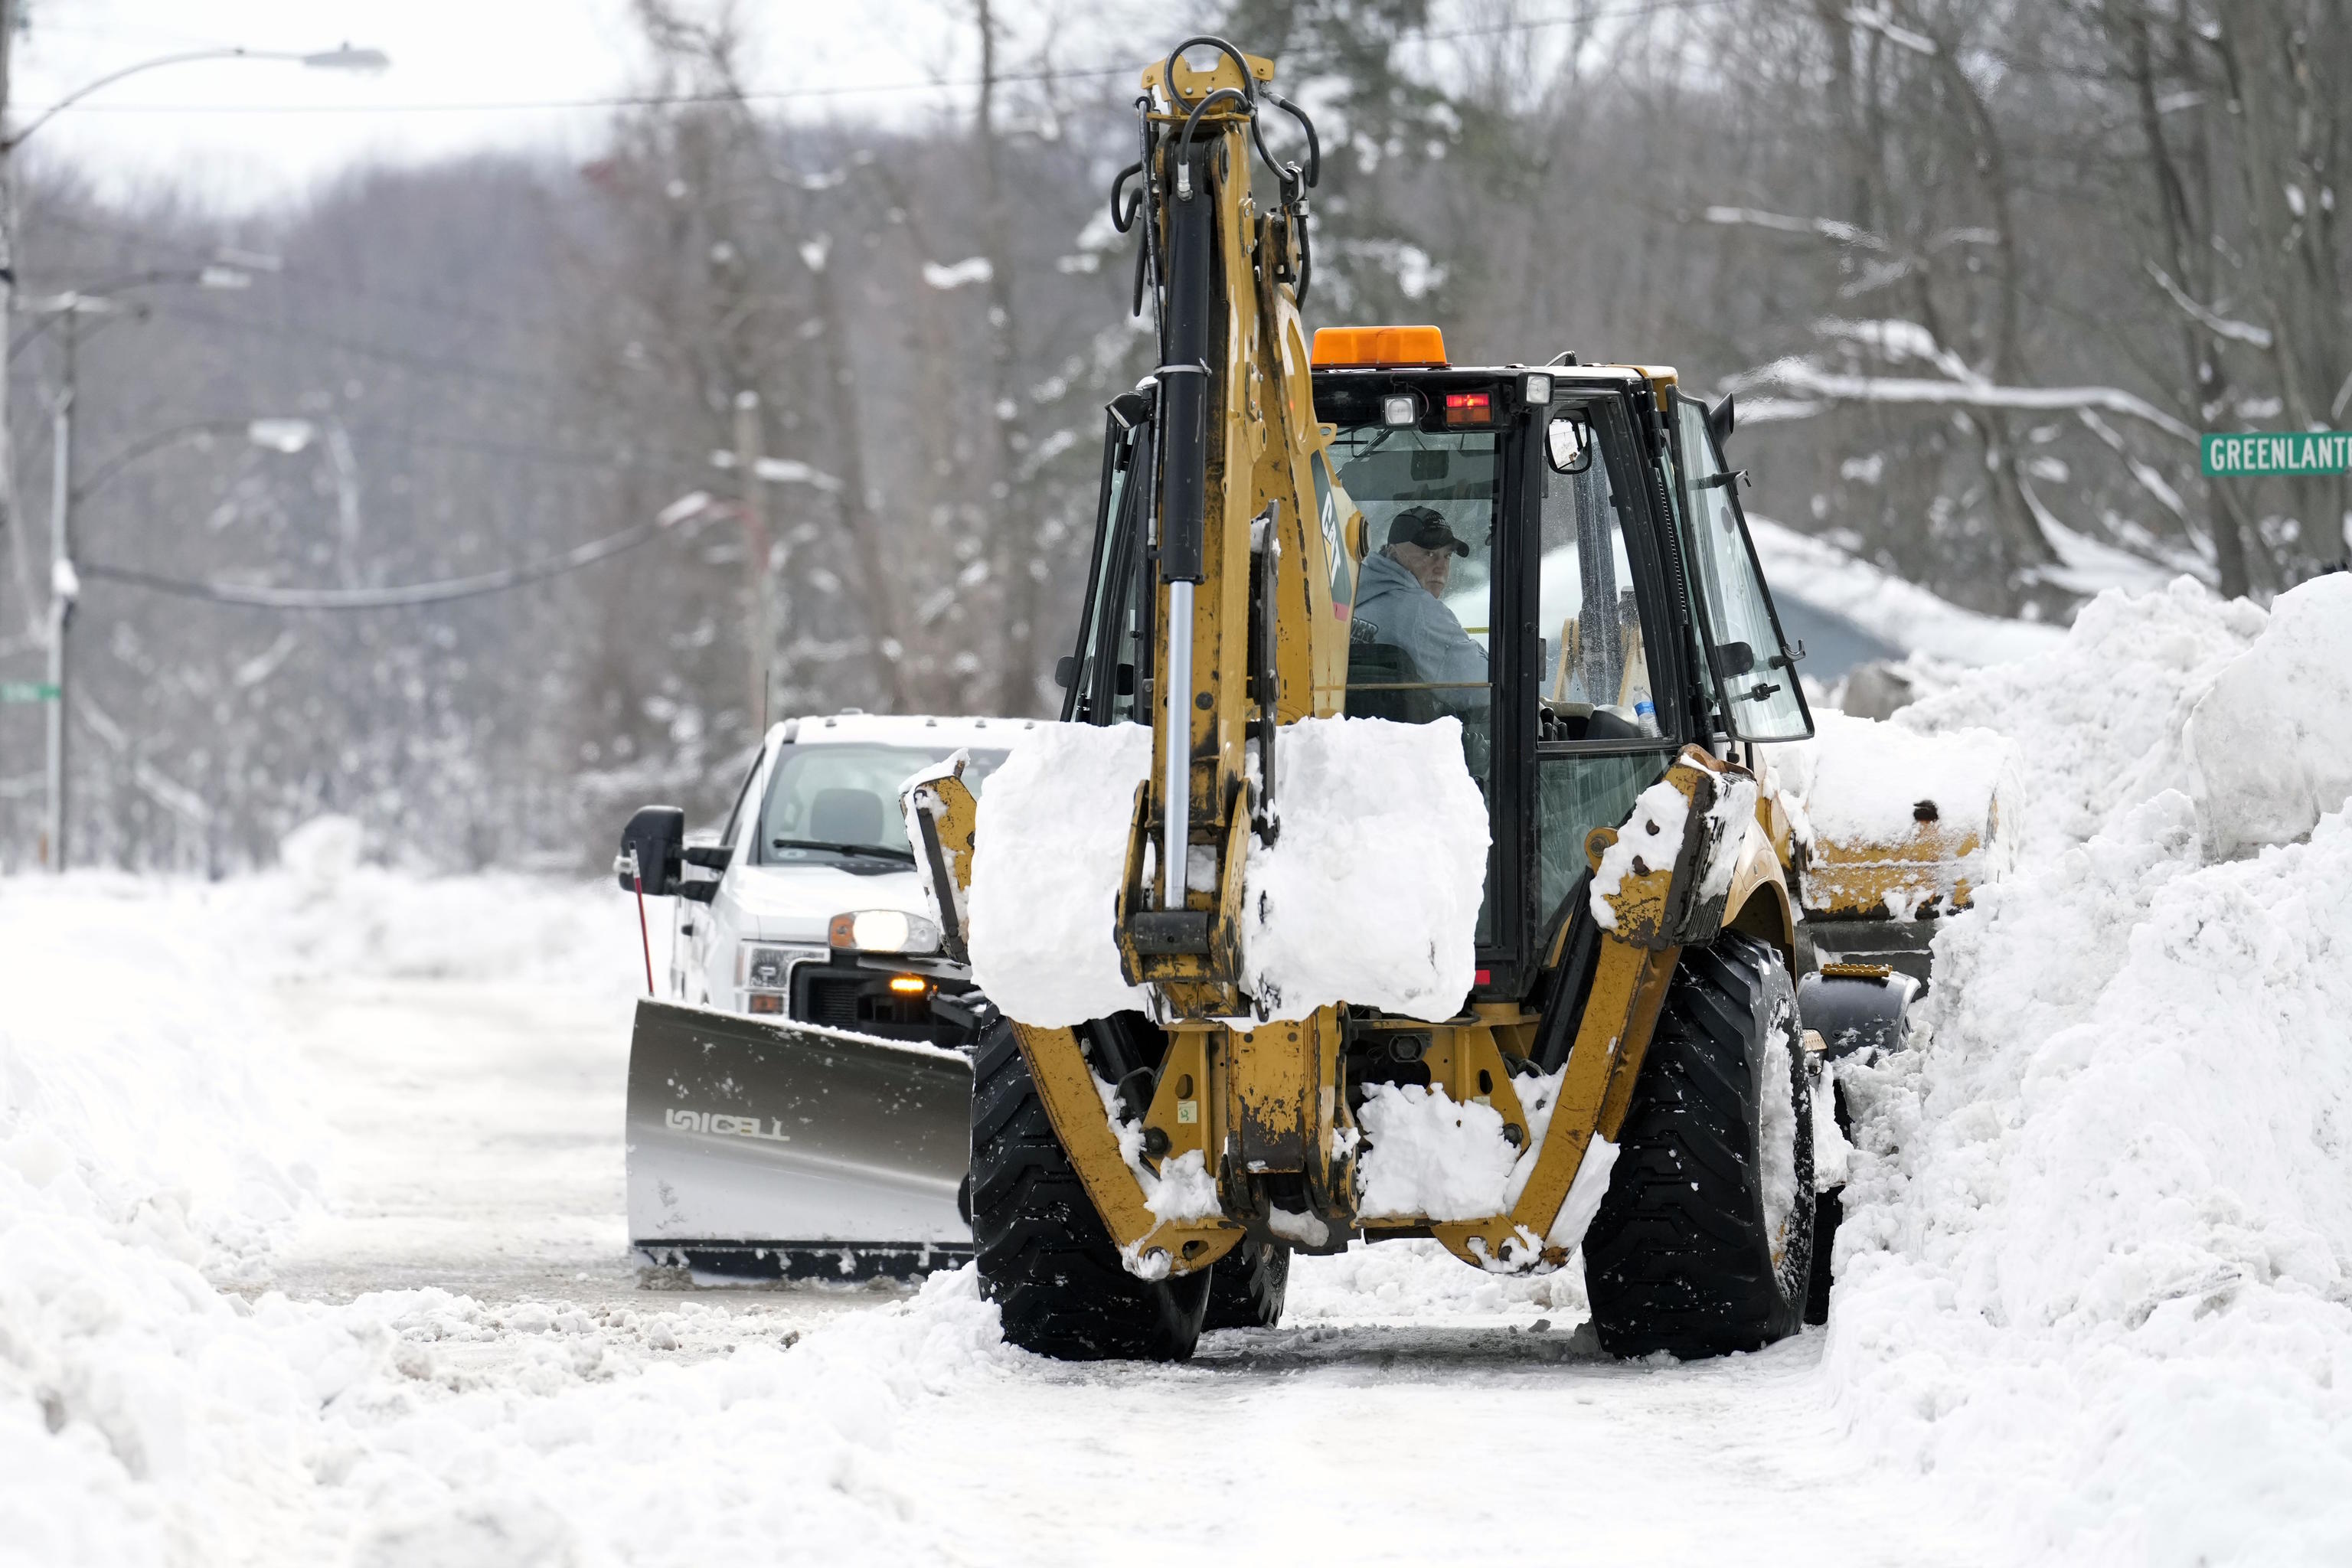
x=1421, y=525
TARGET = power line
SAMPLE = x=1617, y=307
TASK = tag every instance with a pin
x=1643, y=8
x=290, y=275
x=448, y=590
x=436, y=363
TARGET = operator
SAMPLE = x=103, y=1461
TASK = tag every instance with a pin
x=1399, y=601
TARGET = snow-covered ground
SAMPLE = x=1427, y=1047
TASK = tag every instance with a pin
x=309, y=1198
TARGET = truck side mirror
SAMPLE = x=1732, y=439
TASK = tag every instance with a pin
x=1566, y=446
x=1733, y=659
x=1065, y=670
x=652, y=848
x=1719, y=420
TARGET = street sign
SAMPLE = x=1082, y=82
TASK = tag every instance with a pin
x=2266, y=452
x=27, y=692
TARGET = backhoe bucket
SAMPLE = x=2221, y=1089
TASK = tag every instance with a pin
x=787, y=1151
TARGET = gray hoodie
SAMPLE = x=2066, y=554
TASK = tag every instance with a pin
x=1398, y=611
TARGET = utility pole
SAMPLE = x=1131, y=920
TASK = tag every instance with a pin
x=9, y=10
x=64, y=587
x=760, y=592
x=1013, y=529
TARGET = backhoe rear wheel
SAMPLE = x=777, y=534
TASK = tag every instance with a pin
x=1247, y=1286
x=1045, y=1258
x=1704, y=1243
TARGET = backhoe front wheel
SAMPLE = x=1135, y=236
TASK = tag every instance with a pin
x=1704, y=1243
x=1045, y=1258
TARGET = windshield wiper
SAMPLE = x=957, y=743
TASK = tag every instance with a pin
x=880, y=850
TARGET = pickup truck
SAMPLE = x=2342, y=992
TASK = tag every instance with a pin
x=807, y=905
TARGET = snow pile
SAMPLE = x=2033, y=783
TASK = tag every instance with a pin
x=775, y=1451
x=1862, y=782
x=2099, y=1230
x=149, y=1144
x=1430, y=1155
x=328, y=914
x=2098, y=1238
x=152, y=1149
x=1371, y=893
x=2271, y=742
x=122, y=1106
x=2098, y=721
x=1049, y=852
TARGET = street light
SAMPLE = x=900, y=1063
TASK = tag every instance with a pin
x=283, y=433
x=344, y=57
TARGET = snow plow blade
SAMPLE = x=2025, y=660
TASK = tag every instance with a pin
x=787, y=1151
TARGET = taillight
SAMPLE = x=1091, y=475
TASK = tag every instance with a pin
x=1469, y=408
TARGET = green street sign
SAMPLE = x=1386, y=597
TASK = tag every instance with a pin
x=27, y=692
x=2264, y=452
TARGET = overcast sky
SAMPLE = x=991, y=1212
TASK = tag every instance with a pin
x=242, y=132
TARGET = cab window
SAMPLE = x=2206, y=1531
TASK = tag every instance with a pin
x=1599, y=743
x=1756, y=678
x=1420, y=620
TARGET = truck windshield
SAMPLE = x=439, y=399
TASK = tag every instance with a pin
x=837, y=801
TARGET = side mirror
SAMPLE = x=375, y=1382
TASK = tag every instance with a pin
x=1567, y=447
x=652, y=848
x=1719, y=420
x=1065, y=670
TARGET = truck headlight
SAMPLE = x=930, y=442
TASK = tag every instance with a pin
x=764, y=968
x=884, y=931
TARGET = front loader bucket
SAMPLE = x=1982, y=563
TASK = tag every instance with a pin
x=787, y=1151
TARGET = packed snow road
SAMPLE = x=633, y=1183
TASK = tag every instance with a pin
x=478, y=1124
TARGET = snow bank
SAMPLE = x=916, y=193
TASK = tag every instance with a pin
x=143, y=1091
x=150, y=1146
x=2271, y=742
x=154, y=1146
x=1371, y=893
x=327, y=914
x=2099, y=1229
x=1049, y=851
x=2098, y=1238
x=2098, y=721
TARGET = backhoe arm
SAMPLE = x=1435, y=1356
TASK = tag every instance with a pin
x=1236, y=625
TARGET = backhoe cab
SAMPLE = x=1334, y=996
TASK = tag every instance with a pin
x=1552, y=555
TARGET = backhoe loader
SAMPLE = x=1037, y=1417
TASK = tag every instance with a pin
x=1607, y=646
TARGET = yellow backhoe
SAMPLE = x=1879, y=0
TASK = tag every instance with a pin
x=1631, y=1033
